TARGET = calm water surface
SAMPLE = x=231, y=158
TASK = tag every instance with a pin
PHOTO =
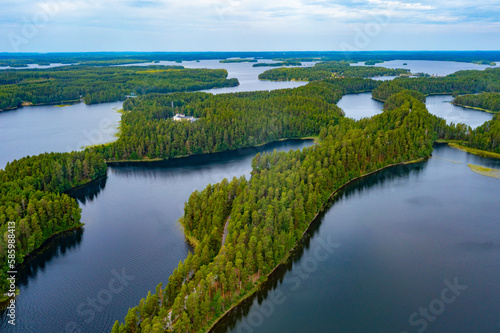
x=38, y=129
x=130, y=228
x=440, y=68
x=362, y=105
x=35, y=66
x=419, y=225
x=246, y=74
x=398, y=236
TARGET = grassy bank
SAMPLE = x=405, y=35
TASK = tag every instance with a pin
x=474, y=108
x=485, y=171
x=474, y=151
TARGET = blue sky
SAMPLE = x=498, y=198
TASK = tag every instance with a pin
x=247, y=25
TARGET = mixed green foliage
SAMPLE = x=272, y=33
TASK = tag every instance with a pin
x=102, y=84
x=31, y=196
x=484, y=101
x=327, y=70
x=487, y=136
x=270, y=212
x=278, y=64
x=226, y=121
x=462, y=82
x=373, y=62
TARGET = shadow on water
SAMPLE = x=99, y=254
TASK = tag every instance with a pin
x=129, y=168
x=58, y=246
x=89, y=192
x=399, y=172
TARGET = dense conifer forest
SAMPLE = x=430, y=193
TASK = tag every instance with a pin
x=102, y=84
x=462, y=82
x=226, y=121
x=484, y=101
x=264, y=217
x=268, y=214
x=32, y=196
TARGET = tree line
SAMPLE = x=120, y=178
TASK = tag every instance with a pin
x=102, y=84
x=328, y=70
x=226, y=121
x=485, y=101
x=32, y=195
x=462, y=82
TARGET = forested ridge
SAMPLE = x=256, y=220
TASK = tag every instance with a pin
x=462, y=82
x=31, y=195
x=270, y=212
x=102, y=84
x=327, y=70
x=486, y=137
x=226, y=121
x=484, y=101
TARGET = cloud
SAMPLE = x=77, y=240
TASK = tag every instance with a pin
x=219, y=24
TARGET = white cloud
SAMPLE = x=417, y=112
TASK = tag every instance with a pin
x=207, y=23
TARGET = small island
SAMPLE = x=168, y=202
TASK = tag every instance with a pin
x=231, y=61
x=373, y=62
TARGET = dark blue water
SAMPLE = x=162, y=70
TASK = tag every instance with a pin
x=130, y=229
x=394, y=242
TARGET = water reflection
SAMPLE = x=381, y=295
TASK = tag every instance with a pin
x=59, y=246
x=393, y=175
x=89, y=192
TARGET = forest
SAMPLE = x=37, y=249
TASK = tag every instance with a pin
x=32, y=195
x=373, y=62
x=269, y=213
x=328, y=70
x=236, y=61
x=484, y=101
x=102, y=84
x=278, y=64
x=226, y=121
x=485, y=137
x=22, y=59
x=265, y=215
x=462, y=82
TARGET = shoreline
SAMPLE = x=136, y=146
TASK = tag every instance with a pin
x=475, y=151
x=158, y=159
x=475, y=108
x=71, y=102
x=287, y=256
x=5, y=300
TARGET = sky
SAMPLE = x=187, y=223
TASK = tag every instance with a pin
x=247, y=25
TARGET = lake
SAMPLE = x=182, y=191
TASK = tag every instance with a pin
x=33, y=130
x=362, y=105
x=246, y=74
x=132, y=231
x=36, y=129
x=439, y=68
x=394, y=242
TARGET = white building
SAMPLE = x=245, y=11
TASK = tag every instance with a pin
x=179, y=117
